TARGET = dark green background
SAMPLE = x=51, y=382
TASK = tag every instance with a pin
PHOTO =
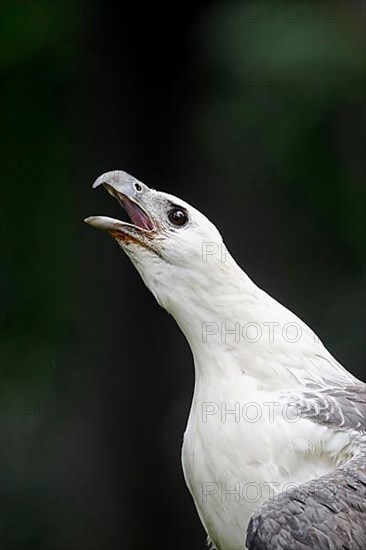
x=253, y=112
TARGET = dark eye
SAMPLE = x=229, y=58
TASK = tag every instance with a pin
x=138, y=187
x=177, y=216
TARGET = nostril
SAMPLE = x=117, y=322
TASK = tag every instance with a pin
x=138, y=187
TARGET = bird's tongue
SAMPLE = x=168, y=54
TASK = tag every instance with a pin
x=137, y=215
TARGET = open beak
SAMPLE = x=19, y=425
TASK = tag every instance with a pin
x=140, y=223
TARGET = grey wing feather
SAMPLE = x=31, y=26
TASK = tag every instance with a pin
x=340, y=408
x=328, y=513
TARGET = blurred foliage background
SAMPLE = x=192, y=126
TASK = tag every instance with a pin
x=252, y=111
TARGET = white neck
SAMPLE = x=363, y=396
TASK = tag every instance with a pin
x=219, y=310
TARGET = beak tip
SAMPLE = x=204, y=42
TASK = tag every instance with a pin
x=94, y=221
x=103, y=222
x=96, y=183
